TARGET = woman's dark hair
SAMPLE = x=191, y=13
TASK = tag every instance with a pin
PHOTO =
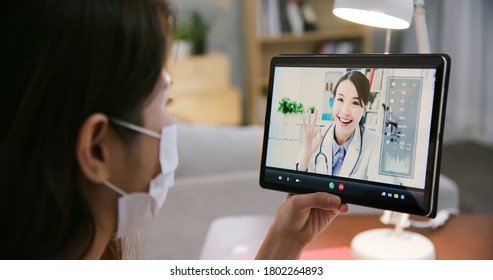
x=362, y=85
x=60, y=62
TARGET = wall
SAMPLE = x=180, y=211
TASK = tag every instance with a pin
x=487, y=101
x=462, y=29
x=226, y=31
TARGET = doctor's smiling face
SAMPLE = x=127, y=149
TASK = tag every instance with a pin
x=349, y=105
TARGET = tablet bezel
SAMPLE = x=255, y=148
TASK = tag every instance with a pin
x=427, y=205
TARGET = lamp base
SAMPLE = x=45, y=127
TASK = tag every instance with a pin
x=385, y=244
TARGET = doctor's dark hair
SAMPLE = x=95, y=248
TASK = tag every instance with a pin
x=60, y=62
x=362, y=85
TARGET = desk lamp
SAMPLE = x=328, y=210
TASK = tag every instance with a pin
x=390, y=14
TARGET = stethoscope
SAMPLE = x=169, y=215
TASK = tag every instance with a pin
x=322, y=154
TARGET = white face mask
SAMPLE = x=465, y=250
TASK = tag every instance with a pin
x=137, y=209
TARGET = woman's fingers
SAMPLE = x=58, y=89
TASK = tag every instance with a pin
x=318, y=200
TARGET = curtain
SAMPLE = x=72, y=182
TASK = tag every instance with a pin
x=464, y=30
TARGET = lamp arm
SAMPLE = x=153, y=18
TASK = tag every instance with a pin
x=399, y=220
x=421, y=27
x=388, y=36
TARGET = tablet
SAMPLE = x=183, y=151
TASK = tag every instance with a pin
x=365, y=127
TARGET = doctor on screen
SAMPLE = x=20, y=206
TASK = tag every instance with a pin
x=344, y=148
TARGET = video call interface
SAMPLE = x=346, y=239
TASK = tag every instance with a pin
x=389, y=134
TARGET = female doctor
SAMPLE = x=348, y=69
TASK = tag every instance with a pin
x=344, y=148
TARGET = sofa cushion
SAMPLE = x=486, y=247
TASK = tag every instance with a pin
x=208, y=149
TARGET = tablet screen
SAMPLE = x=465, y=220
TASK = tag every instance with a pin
x=364, y=127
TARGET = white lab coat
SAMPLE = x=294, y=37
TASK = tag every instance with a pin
x=366, y=167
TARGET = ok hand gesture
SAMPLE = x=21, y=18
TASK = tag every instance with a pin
x=313, y=139
x=313, y=133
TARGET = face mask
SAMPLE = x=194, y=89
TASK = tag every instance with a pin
x=137, y=209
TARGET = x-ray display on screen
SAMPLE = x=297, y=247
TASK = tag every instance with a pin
x=400, y=126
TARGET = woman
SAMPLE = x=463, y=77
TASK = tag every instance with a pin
x=88, y=150
x=344, y=148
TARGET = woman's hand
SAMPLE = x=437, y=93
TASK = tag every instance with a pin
x=299, y=219
x=313, y=139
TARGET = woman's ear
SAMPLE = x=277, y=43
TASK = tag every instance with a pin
x=91, y=148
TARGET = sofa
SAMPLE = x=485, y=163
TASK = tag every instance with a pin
x=217, y=181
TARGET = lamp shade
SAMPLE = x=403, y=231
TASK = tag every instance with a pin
x=389, y=14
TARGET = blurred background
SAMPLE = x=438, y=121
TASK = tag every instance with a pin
x=219, y=67
x=223, y=48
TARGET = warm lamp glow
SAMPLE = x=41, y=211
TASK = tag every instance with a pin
x=389, y=14
x=371, y=18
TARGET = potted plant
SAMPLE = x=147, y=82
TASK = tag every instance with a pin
x=194, y=32
x=182, y=46
x=288, y=106
x=292, y=110
x=198, y=33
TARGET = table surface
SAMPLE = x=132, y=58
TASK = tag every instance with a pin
x=463, y=237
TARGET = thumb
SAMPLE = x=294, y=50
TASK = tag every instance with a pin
x=320, y=200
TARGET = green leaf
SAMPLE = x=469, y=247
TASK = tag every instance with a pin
x=287, y=106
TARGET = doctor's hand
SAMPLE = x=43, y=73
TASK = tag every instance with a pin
x=313, y=139
x=299, y=219
x=313, y=133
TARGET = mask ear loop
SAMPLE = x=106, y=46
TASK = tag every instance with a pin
x=136, y=128
x=114, y=188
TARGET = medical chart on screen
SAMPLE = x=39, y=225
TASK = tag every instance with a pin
x=401, y=112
